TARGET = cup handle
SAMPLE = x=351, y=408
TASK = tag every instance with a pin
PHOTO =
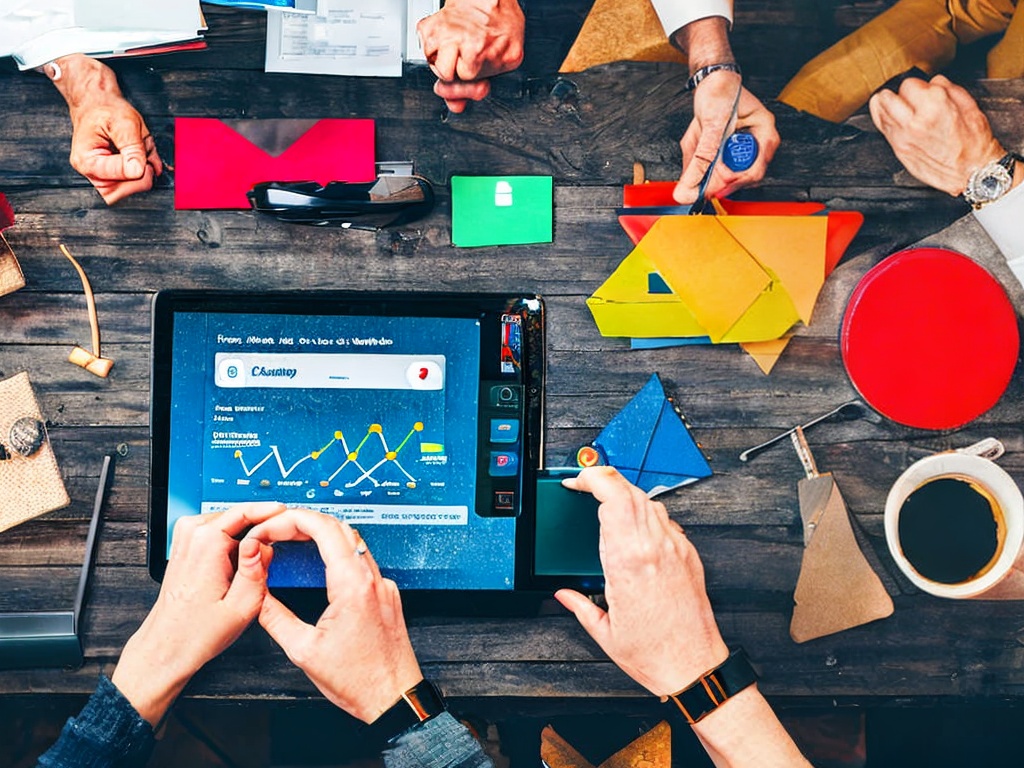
x=989, y=448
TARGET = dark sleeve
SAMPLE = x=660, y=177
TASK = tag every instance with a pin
x=441, y=742
x=107, y=733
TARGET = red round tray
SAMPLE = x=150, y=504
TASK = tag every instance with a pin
x=929, y=338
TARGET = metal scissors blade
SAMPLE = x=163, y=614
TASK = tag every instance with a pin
x=730, y=126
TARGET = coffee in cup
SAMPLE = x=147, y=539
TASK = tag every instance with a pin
x=954, y=523
x=951, y=529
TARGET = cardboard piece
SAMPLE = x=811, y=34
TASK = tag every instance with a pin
x=837, y=589
x=11, y=277
x=29, y=485
x=218, y=161
x=620, y=30
x=501, y=210
x=652, y=750
x=746, y=275
x=649, y=443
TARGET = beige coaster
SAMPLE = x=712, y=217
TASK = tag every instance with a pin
x=620, y=30
x=29, y=485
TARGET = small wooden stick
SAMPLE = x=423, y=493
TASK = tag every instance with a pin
x=93, y=361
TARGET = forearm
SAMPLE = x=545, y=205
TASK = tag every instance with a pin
x=746, y=732
x=705, y=42
x=146, y=676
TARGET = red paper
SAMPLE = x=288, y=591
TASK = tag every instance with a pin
x=842, y=225
x=215, y=165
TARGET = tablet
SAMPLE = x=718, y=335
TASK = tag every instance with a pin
x=415, y=417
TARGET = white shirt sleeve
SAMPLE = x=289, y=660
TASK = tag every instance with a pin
x=676, y=14
x=1002, y=221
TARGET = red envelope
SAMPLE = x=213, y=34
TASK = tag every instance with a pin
x=218, y=161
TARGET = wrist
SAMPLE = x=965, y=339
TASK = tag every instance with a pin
x=382, y=696
x=714, y=687
x=714, y=652
x=149, y=681
x=417, y=704
x=705, y=42
x=80, y=78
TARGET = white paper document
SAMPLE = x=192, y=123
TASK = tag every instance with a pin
x=37, y=31
x=347, y=37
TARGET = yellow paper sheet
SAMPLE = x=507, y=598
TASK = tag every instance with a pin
x=707, y=268
x=792, y=247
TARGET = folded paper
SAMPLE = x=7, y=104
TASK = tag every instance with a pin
x=501, y=210
x=746, y=275
x=620, y=30
x=649, y=443
x=30, y=485
x=218, y=161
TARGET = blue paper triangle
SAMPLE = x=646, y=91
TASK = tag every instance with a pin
x=649, y=443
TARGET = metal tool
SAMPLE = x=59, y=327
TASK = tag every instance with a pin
x=853, y=409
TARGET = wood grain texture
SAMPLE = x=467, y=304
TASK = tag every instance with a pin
x=586, y=131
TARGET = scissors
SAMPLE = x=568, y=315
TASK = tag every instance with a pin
x=701, y=202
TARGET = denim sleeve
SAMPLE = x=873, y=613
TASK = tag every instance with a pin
x=107, y=733
x=441, y=742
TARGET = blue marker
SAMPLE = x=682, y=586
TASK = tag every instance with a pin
x=740, y=152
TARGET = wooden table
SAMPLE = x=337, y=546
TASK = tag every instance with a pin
x=586, y=131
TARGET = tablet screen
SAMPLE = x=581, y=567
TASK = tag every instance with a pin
x=401, y=425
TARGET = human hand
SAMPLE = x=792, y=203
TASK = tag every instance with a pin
x=659, y=627
x=936, y=130
x=205, y=603
x=110, y=144
x=358, y=654
x=712, y=110
x=468, y=41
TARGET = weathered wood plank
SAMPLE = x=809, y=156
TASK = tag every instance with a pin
x=586, y=133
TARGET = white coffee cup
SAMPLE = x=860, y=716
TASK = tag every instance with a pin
x=1003, y=578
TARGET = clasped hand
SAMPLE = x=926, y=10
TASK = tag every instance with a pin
x=469, y=41
x=216, y=585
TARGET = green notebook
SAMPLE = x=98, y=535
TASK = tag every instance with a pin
x=501, y=210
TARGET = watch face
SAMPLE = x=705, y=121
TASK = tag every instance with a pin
x=987, y=184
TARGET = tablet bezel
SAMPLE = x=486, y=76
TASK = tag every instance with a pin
x=488, y=307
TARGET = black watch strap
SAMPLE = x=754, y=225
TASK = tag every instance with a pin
x=715, y=687
x=417, y=705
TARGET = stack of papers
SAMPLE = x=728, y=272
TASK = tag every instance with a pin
x=348, y=37
x=37, y=31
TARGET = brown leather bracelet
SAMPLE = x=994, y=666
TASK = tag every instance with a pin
x=715, y=687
